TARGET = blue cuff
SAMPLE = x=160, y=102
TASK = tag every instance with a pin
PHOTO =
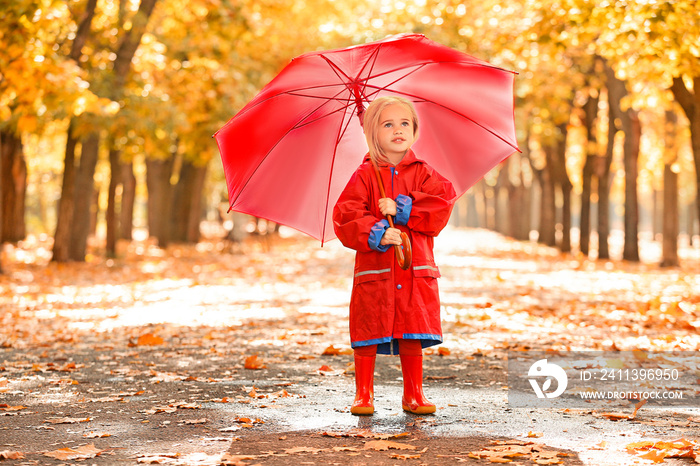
x=376, y=234
x=404, y=204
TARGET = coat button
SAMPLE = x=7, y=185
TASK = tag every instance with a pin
x=398, y=287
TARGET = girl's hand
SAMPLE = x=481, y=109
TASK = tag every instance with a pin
x=387, y=206
x=391, y=236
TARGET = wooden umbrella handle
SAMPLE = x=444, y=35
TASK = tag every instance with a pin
x=404, y=253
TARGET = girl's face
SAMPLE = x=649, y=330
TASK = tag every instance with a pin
x=395, y=132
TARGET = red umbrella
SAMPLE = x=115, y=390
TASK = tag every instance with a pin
x=290, y=151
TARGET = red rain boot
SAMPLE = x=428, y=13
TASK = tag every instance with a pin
x=413, y=398
x=364, y=385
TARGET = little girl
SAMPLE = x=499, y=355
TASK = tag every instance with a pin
x=393, y=310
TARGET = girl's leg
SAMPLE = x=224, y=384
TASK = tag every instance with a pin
x=411, y=353
x=365, y=357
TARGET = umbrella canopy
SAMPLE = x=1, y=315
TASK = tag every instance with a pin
x=288, y=154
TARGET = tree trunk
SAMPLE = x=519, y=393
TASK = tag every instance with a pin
x=590, y=109
x=122, y=64
x=130, y=42
x=565, y=245
x=632, y=130
x=656, y=212
x=111, y=216
x=84, y=190
x=633, y=135
x=482, y=206
x=158, y=173
x=128, y=198
x=489, y=206
x=671, y=221
x=14, y=187
x=94, y=211
x=518, y=201
x=690, y=101
x=604, y=183
x=187, y=204
x=501, y=221
x=472, y=210
x=562, y=180
x=585, y=215
x=64, y=219
x=85, y=176
x=547, y=227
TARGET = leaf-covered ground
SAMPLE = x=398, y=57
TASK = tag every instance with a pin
x=238, y=354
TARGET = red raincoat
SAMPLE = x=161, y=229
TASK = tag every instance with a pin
x=388, y=303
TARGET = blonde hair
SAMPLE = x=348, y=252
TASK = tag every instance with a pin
x=371, y=123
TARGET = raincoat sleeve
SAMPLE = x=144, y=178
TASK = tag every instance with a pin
x=432, y=203
x=353, y=221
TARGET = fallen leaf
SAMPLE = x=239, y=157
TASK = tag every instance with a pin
x=253, y=363
x=67, y=420
x=186, y=405
x=640, y=445
x=331, y=351
x=84, y=452
x=532, y=434
x=346, y=449
x=97, y=435
x=442, y=351
x=11, y=455
x=327, y=370
x=504, y=451
x=194, y=421
x=158, y=458
x=235, y=460
x=399, y=456
x=441, y=377
x=149, y=339
x=382, y=445
x=614, y=416
x=659, y=450
x=7, y=408
x=657, y=456
x=160, y=409
x=247, y=420
x=546, y=457
x=636, y=408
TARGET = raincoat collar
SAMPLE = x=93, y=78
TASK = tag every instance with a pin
x=407, y=159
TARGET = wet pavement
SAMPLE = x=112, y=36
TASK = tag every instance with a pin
x=160, y=376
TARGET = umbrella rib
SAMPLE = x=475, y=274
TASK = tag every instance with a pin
x=306, y=123
x=420, y=99
x=338, y=73
x=373, y=59
x=341, y=131
x=296, y=125
x=377, y=89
